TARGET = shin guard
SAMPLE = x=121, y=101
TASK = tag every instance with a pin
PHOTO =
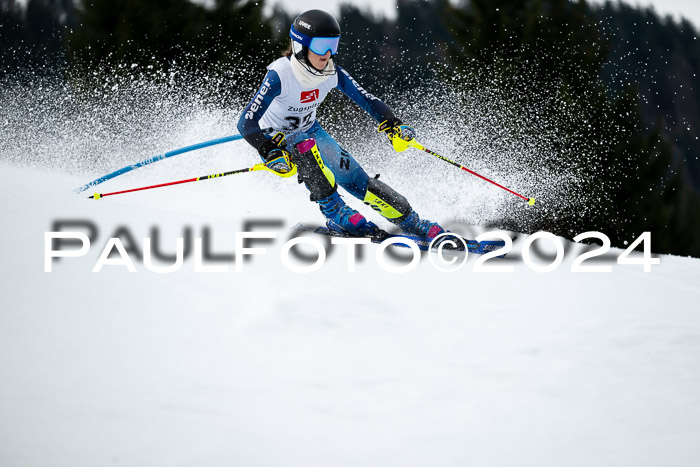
x=319, y=179
x=386, y=201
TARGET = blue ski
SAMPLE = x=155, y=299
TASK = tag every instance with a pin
x=473, y=246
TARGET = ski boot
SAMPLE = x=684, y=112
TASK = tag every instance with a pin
x=344, y=220
x=413, y=225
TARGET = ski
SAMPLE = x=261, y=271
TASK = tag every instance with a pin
x=472, y=245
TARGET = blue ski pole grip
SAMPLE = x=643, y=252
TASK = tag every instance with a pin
x=157, y=158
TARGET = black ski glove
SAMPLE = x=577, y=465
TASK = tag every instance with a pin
x=390, y=126
x=273, y=153
x=399, y=135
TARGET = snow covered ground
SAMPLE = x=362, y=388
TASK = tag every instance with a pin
x=269, y=367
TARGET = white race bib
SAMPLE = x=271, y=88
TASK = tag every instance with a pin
x=294, y=110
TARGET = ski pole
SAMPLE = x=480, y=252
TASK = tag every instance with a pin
x=157, y=158
x=197, y=179
x=402, y=142
x=417, y=145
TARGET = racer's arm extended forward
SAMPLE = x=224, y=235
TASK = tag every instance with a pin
x=369, y=103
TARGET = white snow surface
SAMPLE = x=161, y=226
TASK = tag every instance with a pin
x=268, y=367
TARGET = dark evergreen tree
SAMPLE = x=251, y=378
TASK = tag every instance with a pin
x=31, y=36
x=556, y=48
x=163, y=33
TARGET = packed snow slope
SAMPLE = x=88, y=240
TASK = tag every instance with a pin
x=270, y=367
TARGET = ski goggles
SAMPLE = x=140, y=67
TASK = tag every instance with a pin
x=318, y=45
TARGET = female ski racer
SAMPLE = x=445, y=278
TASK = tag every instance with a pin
x=292, y=90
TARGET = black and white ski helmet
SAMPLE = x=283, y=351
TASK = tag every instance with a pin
x=314, y=30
